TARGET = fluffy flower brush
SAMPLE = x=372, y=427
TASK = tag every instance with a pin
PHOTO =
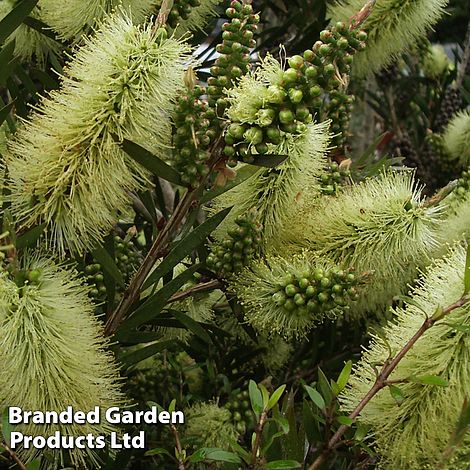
x=274, y=193
x=289, y=296
x=29, y=43
x=457, y=138
x=196, y=14
x=380, y=227
x=393, y=26
x=66, y=168
x=71, y=19
x=53, y=353
x=208, y=425
x=412, y=436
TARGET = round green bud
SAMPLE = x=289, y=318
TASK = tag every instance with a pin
x=236, y=130
x=309, y=55
x=337, y=289
x=99, y=278
x=286, y=116
x=291, y=290
x=318, y=274
x=315, y=91
x=325, y=50
x=295, y=96
x=276, y=95
x=279, y=298
x=312, y=306
x=323, y=297
x=325, y=282
x=262, y=148
x=304, y=283
x=266, y=116
x=290, y=305
x=299, y=300
x=273, y=134
x=310, y=291
x=296, y=61
x=229, y=151
x=34, y=275
x=290, y=75
x=254, y=135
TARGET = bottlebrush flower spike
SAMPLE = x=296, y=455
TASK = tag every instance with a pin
x=379, y=227
x=414, y=434
x=29, y=43
x=53, y=353
x=393, y=26
x=71, y=19
x=288, y=296
x=274, y=193
x=66, y=168
x=208, y=425
x=457, y=138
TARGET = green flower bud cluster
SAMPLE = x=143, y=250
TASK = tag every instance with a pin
x=334, y=178
x=239, y=406
x=313, y=84
x=195, y=131
x=234, y=50
x=339, y=109
x=127, y=257
x=236, y=251
x=316, y=291
x=463, y=186
x=95, y=278
x=181, y=10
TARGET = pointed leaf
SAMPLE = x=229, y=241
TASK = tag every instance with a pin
x=283, y=465
x=344, y=376
x=193, y=326
x=151, y=162
x=255, y=397
x=268, y=161
x=16, y=16
x=275, y=397
x=134, y=357
x=397, y=394
x=155, y=303
x=186, y=246
x=157, y=451
x=316, y=397
x=346, y=420
x=429, y=380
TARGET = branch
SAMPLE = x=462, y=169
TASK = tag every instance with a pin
x=382, y=379
x=361, y=16
x=165, y=10
x=13, y=456
x=259, y=432
x=131, y=294
x=441, y=194
x=202, y=287
x=176, y=435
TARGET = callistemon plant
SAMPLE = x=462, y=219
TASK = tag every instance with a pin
x=234, y=234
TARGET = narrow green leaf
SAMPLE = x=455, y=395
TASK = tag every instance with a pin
x=346, y=420
x=14, y=19
x=275, y=397
x=157, y=451
x=40, y=27
x=186, y=246
x=245, y=455
x=361, y=432
x=108, y=264
x=255, y=397
x=265, y=395
x=325, y=387
x=316, y=397
x=134, y=357
x=467, y=273
x=30, y=238
x=138, y=337
x=429, y=380
x=151, y=162
x=397, y=394
x=283, y=465
x=5, y=111
x=219, y=455
x=192, y=326
x=155, y=303
x=7, y=428
x=242, y=175
x=268, y=161
x=344, y=376
x=311, y=423
x=7, y=62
